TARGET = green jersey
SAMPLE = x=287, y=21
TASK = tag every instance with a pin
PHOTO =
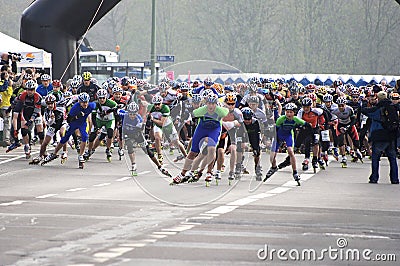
x=101, y=110
x=157, y=114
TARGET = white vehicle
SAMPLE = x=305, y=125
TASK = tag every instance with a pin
x=98, y=57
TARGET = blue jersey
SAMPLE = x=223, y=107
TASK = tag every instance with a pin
x=132, y=125
x=43, y=91
x=76, y=109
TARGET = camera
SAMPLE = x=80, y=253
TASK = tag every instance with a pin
x=14, y=56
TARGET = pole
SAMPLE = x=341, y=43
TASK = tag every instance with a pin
x=153, y=42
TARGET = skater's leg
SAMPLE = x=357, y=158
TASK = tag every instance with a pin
x=292, y=158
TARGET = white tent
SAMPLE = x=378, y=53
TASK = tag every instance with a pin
x=31, y=56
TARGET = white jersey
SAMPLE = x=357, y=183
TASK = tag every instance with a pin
x=344, y=117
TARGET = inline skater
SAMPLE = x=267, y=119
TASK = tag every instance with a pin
x=159, y=116
x=310, y=136
x=208, y=130
x=346, y=126
x=77, y=116
x=230, y=137
x=104, y=110
x=121, y=101
x=54, y=118
x=26, y=113
x=132, y=132
x=285, y=126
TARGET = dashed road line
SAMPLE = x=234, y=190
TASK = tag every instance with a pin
x=102, y=185
x=46, y=196
x=15, y=202
x=75, y=189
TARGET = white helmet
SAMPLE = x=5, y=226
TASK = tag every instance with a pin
x=45, y=77
x=30, y=84
x=341, y=100
x=132, y=108
x=102, y=93
x=156, y=99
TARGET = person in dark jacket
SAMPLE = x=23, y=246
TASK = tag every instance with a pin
x=382, y=140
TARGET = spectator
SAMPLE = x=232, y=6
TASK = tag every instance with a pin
x=46, y=86
x=382, y=140
x=5, y=95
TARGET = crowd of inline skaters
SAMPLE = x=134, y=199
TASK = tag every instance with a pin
x=203, y=120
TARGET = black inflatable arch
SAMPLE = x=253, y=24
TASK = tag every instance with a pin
x=55, y=26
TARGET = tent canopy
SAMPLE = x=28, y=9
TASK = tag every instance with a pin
x=319, y=79
x=31, y=56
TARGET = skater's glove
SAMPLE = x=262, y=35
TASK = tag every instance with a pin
x=28, y=123
x=111, y=110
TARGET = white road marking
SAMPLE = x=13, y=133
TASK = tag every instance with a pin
x=46, y=196
x=15, y=202
x=75, y=189
x=123, y=178
x=135, y=245
x=157, y=236
x=223, y=209
x=18, y=157
x=164, y=233
x=278, y=190
x=179, y=228
x=102, y=185
x=242, y=202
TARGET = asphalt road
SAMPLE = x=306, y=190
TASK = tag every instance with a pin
x=61, y=215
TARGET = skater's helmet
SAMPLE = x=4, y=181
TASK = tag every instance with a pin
x=212, y=98
x=30, y=85
x=132, y=108
x=102, y=93
x=306, y=101
x=196, y=98
x=247, y=113
x=341, y=100
x=83, y=97
x=157, y=99
x=290, y=106
x=50, y=98
x=327, y=98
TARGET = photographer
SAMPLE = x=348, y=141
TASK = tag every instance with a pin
x=13, y=57
x=5, y=94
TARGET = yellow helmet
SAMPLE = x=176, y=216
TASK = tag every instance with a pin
x=230, y=98
x=86, y=75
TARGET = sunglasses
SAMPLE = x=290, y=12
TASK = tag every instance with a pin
x=230, y=103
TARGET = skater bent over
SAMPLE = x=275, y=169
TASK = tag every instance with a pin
x=209, y=127
x=76, y=119
x=132, y=132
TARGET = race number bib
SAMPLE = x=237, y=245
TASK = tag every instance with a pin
x=325, y=135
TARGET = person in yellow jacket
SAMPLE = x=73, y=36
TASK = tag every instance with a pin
x=5, y=95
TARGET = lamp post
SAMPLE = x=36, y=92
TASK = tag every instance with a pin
x=153, y=42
